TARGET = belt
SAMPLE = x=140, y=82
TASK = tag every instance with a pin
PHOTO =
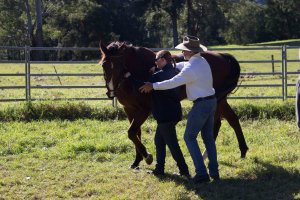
x=204, y=98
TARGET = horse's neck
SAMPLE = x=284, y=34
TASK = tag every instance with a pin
x=141, y=63
x=140, y=72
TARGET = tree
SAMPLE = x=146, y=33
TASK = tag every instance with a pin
x=39, y=23
x=173, y=8
x=190, y=15
x=12, y=24
x=29, y=22
x=245, y=23
x=205, y=20
x=158, y=18
x=282, y=19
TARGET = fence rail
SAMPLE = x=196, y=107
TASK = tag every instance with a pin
x=26, y=52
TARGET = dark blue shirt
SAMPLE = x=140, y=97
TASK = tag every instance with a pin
x=166, y=105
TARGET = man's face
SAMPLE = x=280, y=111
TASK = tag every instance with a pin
x=160, y=62
x=187, y=54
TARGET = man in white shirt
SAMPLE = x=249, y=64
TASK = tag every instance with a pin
x=196, y=75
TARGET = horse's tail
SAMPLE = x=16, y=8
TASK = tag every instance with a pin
x=232, y=78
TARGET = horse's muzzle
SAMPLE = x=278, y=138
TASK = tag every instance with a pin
x=110, y=94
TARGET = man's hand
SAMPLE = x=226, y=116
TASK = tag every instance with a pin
x=146, y=88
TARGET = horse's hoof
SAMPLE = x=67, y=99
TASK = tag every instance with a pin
x=149, y=159
x=244, y=152
x=133, y=166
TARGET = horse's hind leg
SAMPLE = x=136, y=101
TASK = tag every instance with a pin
x=227, y=112
x=217, y=125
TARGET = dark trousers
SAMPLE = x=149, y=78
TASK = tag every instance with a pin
x=166, y=135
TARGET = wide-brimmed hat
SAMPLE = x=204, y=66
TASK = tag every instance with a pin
x=191, y=43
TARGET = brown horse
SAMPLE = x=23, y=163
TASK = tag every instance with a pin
x=119, y=58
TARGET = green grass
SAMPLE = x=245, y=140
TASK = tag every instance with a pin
x=89, y=159
x=80, y=150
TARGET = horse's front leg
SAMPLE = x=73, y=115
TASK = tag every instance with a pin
x=138, y=155
x=133, y=135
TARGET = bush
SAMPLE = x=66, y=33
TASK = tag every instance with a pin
x=282, y=111
x=62, y=111
x=80, y=110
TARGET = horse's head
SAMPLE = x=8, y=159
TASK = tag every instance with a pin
x=113, y=61
x=118, y=58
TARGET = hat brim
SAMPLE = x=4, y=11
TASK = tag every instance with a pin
x=201, y=48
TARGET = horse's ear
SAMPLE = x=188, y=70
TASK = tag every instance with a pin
x=122, y=47
x=103, y=48
x=125, y=47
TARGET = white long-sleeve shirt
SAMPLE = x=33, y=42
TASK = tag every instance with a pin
x=195, y=74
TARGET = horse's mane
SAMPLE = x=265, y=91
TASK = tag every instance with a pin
x=113, y=49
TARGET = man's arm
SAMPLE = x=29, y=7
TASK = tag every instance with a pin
x=180, y=66
x=185, y=76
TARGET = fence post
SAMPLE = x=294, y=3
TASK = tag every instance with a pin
x=283, y=63
x=27, y=71
x=285, y=73
x=115, y=102
x=272, y=60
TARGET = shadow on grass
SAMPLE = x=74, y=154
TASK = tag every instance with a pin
x=268, y=182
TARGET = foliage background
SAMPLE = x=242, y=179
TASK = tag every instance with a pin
x=155, y=23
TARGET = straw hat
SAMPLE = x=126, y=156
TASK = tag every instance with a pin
x=191, y=43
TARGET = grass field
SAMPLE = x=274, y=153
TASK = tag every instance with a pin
x=89, y=159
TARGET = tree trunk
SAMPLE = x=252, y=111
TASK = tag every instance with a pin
x=39, y=27
x=189, y=17
x=29, y=23
x=39, y=23
x=174, y=26
x=175, y=31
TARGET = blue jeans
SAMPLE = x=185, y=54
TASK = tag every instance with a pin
x=201, y=118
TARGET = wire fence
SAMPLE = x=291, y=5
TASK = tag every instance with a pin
x=281, y=67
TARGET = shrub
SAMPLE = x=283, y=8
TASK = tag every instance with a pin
x=80, y=110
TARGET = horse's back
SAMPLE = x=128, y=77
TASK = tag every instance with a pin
x=220, y=67
x=225, y=70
